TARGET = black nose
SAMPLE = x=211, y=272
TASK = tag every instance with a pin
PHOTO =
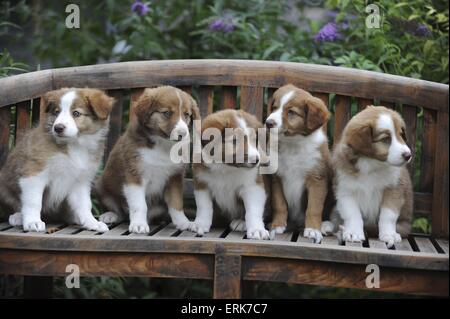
x=407, y=156
x=59, y=128
x=270, y=123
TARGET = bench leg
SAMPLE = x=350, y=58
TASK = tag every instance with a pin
x=227, y=276
x=37, y=287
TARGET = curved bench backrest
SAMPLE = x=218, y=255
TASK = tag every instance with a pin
x=219, y=84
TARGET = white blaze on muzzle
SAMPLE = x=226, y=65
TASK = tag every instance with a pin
x=181, y=129
x=397, y=150
x=65, y=121
x=277, y=116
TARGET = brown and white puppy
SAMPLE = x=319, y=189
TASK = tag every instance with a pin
x=372, y=184
x=303, y=160
x=229, y=173
x=140, y=174
x=51, y=170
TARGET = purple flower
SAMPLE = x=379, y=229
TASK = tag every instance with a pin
x=225, y=24
x=140, y=8
x=328, y=33
x=422, y=31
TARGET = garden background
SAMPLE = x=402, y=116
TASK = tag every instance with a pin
x=412, y=41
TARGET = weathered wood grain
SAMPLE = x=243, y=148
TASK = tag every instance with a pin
x=229, y=97
x=227, y=276
x=342, y=114
x=311, y=77
x=344, y=275
x=363, y=103
x=5, y=119
x=252, y=100
x=115, y=122
x=161, y=265
x=23, y=119
x=205, y=100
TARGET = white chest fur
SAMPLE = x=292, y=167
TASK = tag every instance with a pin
x=226, y=183
x=297, y=156
x=157, y=167
x=67, y=170
x=367, y=187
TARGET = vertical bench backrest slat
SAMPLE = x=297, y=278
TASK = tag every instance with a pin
x=205, y=100
x=440, y=183
x=363, y=103
x=5, y=119
x=342, y=114
x=229, y=97
x=35, y=111
x=134, y=97
x=23, y=116
x=252, y=100
x=115, y=121
x=428, y=151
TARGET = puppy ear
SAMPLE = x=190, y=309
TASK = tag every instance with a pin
x=316, y=113
x=143, y=105
x=360, y=139
x=100, y=103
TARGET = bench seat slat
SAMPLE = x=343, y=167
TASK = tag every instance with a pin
x=378, y=244
x=425, y=245
x=117, y=230
x=403, y=245
x=443, y=244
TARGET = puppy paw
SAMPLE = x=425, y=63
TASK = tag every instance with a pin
x=34, y=225
x=139, y=228
x=238, y=225
x=258, y=233
x=109, y=218
x=199, y=227
x=314, y=234
x=353, y=234
x=96, y=226
x=390, y=238
x=327, y=228
x=16, y=219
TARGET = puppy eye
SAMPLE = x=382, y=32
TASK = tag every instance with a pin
x=403, y=135
x=291, y=113
x=187, y=115
x=55, y=112
x=167, y=114
x=386, y=140
x=76, y=114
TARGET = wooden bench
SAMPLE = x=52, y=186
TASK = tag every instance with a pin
x=418, y=265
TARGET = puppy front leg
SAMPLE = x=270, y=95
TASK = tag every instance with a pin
x=254, y=198
x=173, y=196
x=137, y=207
x=353, y=223
x=390, y=211
x=32, y=190
x=204, y=214
x=81, y=205
x=317, y=192
x=279, y=207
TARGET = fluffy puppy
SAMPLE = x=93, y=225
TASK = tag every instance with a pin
x=141, y=174
x=51, y=170
x=233, y=183
x=372, y=184
x=303, y=160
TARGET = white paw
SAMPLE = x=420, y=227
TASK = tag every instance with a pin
x=35, y=225
x=109, y=218
x=179, y=220
x=183, y=224
x=139, y=228
x=279, y=229
x=199, y=227
x=258, y=233
x=16, y=219
x=353, y=234
x=314, y=234
x=327, y=228
x=97, y=226
x=390, y=238
x=238, y=225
